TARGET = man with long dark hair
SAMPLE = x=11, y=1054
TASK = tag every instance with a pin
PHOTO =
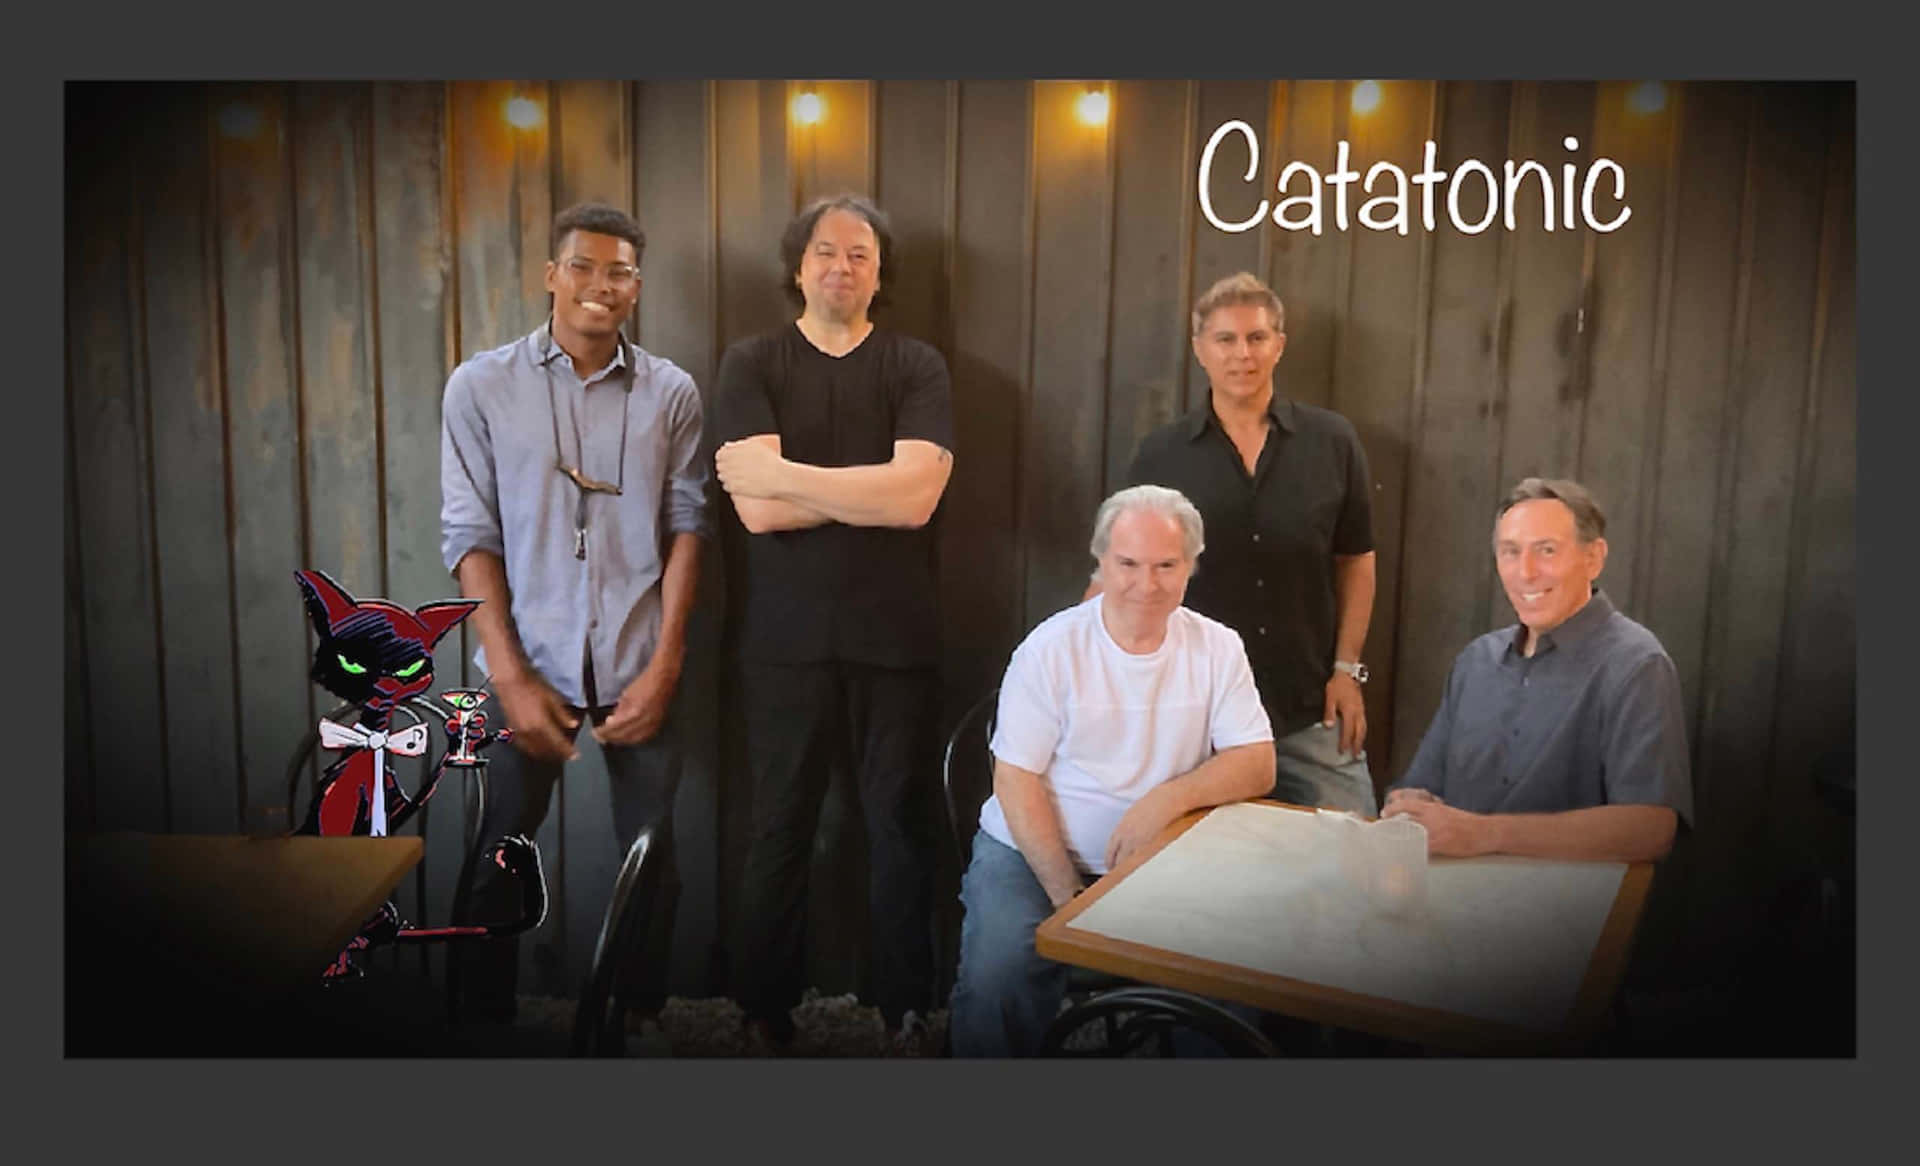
x=837, y=436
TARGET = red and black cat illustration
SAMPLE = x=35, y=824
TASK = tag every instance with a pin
x=377, y=654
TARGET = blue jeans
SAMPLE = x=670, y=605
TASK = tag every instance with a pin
x=1310, y=770
x=1004, y=994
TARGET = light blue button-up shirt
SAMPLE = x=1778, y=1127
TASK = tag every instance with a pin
x=501, y=491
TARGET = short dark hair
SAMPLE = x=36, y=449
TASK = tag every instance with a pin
x=599, y=219
x=793, y=241
x=1589, y=522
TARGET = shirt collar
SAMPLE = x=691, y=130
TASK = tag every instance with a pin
x=547, y=350
x=1279, y=408
x=1578, y=628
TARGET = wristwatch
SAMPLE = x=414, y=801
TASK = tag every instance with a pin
x=1353, y=668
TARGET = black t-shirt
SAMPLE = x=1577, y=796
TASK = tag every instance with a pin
x=861, y=594
x=1267, y=571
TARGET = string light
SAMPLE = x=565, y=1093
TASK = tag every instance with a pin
x=523, y=112
x=240, y=120
x=1366, y=97
x=1092, y=107
x=1647, y=97
x=809, y=108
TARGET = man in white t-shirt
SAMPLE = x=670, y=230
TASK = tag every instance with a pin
x=1116, y=717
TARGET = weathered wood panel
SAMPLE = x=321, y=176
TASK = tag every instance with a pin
x=1813, y=735
x=412, y=258
x=980, y=541
x=1309, y=272
x=673, y=169
x=1375, y=372
x=189, y=452
x=257, y=297
x=339, y=401
x=1062, y=432
x=1770, y=382
x=837, y=155
x=1152, y=216
x=1712, y=146
x=78, y=741
x=1546, y=336
x=112, y=456
x=913, y=181
x=1619, y=440
x=1446, y=564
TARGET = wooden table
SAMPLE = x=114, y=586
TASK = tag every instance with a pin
x=1328, y=996
x=161, y=923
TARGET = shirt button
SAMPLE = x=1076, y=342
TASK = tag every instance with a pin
x=1259, y=582
x=1263, y=631
x=1256, y=538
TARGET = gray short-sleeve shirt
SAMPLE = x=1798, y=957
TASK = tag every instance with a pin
x=1594, y=717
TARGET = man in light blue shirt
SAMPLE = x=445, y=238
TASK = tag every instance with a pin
x=573, y=503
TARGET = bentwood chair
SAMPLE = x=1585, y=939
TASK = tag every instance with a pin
x=414, y=710
x=599, y=1023
x=1121, y=1022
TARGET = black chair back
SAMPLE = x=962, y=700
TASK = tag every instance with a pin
x=599, y=1022
x=966, y=771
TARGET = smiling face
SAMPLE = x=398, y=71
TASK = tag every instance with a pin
x=1145, y=570
x=595, y=281
x=1547, y=571
x=1239, y=345
x=840, y=269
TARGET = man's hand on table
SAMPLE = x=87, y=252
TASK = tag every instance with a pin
x=1140, y=825
x=1451, y=833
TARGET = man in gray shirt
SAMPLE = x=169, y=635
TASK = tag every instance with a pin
x=1563, y=736
x=573, y=503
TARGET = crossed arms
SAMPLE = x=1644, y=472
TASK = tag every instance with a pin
x=771, y=493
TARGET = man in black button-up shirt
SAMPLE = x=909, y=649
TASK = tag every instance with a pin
x=1283, y=488
x=1563, y=736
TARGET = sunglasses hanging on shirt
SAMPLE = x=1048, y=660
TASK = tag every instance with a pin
x=583, y=484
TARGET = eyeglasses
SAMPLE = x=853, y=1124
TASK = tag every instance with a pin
x=618, y=274
x=584, y=485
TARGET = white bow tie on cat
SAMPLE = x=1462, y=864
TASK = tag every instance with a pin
x=408, y=742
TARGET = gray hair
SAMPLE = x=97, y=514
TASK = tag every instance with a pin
x=1241, y=288
x=1589, y=522
x=1154, y=500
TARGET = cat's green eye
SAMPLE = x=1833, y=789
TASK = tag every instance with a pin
x=349, y=665
x=410, y=669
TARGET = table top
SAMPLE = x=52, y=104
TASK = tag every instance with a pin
x=1511, y=955
x=259, y=916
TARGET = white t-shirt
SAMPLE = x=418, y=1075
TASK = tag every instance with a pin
x=1103, y=726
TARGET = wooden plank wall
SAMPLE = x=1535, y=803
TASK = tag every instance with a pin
x=268, y=285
